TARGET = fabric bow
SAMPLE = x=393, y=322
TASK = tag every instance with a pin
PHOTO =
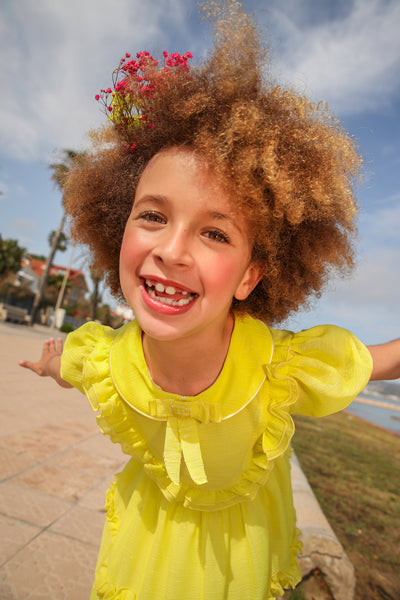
x=182, y=436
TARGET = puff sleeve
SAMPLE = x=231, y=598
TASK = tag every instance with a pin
x=78, y=346
x=318, y=371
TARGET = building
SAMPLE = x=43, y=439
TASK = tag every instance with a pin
x=32, y=271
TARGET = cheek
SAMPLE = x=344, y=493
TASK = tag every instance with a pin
x=223, y=275
x=124, y=255
x=131, y=248
x=128, y=256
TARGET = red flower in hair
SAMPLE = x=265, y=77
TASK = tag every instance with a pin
x=135, y=84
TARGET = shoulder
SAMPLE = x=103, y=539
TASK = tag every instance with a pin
x=90, y=344
x=325, y=342
x=89, y=334
x=325, y=367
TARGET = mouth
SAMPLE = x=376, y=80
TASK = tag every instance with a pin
x=169, y=295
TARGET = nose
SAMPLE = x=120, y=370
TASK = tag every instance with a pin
x=174, y=248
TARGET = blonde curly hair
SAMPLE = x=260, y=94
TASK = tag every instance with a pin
x=287, y=164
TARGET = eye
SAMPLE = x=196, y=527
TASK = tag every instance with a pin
x=152, y=217
x=217, y=235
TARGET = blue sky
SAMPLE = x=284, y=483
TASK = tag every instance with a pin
x=56, y=55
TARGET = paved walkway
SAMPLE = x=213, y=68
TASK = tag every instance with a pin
x=55, y=467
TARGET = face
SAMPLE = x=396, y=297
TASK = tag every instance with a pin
x=185, y=254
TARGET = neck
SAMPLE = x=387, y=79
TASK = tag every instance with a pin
x=190, y=365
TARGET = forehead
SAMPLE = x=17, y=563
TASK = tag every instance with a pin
x=184, y=173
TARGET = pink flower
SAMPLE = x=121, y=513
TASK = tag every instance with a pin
x=189, y=54
x=109, y=90
x=97, y=97
x=165, y=54
x=127, y=55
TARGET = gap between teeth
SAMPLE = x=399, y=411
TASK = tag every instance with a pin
x=169, y=289
x=169, y=301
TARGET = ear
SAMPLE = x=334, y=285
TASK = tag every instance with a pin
x=251, y=277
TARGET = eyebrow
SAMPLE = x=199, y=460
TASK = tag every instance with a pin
x=158, y=199
x=212, y=214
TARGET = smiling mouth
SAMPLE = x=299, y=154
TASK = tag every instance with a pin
x=168, y=294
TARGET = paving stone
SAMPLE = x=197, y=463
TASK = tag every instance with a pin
x=101, y=445
x=12, y=463
x=36, y=443
x=31, y=506
x=47, y=440
x=76, y=459
x=82, y=524
x=60, y=482
x=96, y=497
x=14, y=536
x=50, y=567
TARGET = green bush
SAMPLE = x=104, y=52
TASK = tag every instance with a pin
x=66, y=328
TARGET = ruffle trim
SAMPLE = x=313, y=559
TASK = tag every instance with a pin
x=115, y=420
x=280, y=581
x=288, y=579
x=108, y=591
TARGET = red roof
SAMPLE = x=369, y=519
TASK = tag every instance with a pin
x=75, y=275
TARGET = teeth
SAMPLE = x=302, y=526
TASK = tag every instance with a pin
x=169, y=301
x=183, y=302
x=170, y=290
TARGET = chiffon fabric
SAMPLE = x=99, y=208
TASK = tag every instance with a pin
x=204, y=508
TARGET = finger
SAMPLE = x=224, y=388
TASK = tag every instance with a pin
x=59, y=346
x=26, y=364
x=49, y=346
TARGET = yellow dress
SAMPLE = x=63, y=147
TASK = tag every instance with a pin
x=204, y=509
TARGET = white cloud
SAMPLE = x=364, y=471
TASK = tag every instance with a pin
x=374, y=282
x=352, y=61
x=366, y=303
x=55, y=55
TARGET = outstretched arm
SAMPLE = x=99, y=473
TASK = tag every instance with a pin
x=49, y=363
x=386, y=359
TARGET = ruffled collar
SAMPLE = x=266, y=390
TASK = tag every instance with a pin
x=239, y=381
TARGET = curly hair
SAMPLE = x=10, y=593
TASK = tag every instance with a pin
x=286, y=163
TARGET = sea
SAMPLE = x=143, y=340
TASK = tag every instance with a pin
x=379, y=403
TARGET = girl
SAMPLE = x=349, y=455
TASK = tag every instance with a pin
x=216, y=203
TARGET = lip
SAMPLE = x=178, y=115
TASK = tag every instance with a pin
x=159, y=307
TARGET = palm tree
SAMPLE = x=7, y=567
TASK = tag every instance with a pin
x=97, y=276
x=59, y=176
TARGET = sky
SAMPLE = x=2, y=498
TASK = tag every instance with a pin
x=56, y=55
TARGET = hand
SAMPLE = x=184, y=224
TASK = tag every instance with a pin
x=49, y=362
